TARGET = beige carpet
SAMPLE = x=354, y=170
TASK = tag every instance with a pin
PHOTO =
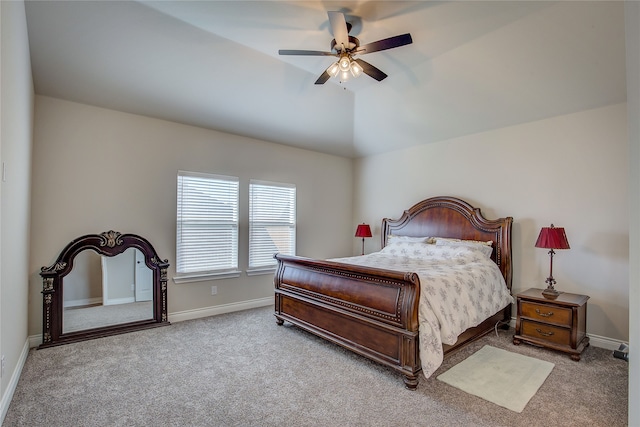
x=242, y=370
x=499, y=376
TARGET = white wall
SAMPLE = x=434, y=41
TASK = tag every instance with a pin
x=632, y=31
x=568, y=170
x=96, y=169
x=16, y=115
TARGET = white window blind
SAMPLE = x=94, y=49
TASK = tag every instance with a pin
x=207, y=223
x=272, y=222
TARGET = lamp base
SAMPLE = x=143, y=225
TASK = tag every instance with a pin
x=550, y=293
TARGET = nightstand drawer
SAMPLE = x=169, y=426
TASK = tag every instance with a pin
x=548, y=333
x=546, y=313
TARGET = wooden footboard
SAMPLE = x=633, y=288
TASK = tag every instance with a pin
x=372, y=312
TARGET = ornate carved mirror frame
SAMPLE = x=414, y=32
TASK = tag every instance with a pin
x=109, y=243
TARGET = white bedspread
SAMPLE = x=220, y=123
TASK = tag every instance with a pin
x=460, y=288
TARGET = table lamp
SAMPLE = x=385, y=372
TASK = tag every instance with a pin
x=552, y=238
x=363, y=231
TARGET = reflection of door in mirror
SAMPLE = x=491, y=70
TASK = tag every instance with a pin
x=143, y=279
x=102, y=291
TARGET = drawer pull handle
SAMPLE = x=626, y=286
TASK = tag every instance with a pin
x=549, y=314
x=544, y=334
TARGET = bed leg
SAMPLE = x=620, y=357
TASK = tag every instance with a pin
x=410, y=381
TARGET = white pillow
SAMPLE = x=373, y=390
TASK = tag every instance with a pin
x=484, y=247
x=479, y=242
x=391, y=239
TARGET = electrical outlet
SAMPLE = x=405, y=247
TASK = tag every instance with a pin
x=133, y=287
x=2, y=366
x=214, y=290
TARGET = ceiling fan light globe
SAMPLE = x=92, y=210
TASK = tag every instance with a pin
x=344, y=76
x=356, y=69
x=333, y=69
x=344, y=63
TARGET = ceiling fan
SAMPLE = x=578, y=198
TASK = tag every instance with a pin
x=346, y=47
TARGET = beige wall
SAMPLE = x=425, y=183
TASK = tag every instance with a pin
x=96, y=169
x=569, y=170
x=16, y=115
x=632, y=32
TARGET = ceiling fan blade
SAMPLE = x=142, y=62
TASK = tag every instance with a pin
x=339, y=28
x=323, y=78
x=305, y=52
x=370, y=70
x=385, y=44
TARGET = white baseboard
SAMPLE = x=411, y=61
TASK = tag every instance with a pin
x=35, y=340
x=13, y=382
x=219, y=309
x=118, y=301
x=179, y=316
x=604, y=342
x=594, y=340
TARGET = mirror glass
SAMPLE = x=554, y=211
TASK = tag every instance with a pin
x=103, y=291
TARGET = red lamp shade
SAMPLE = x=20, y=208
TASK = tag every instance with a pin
x=363, y=230
x=552, y=238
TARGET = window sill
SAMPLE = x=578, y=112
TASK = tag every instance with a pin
x=261, y=271
x=187, y=278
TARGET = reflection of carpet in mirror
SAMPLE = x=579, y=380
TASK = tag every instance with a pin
x=77, y=319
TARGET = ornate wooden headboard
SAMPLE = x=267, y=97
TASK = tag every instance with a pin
x=454, y=218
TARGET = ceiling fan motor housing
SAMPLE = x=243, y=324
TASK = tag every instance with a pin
x=354, y=43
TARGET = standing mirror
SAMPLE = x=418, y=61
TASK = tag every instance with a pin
x=100, y=285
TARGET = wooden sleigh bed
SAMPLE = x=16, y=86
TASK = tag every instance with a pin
x=374, y=312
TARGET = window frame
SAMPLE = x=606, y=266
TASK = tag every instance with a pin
x=292, y=224
x=229, y=271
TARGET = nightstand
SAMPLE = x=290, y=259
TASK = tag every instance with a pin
x=559, y=324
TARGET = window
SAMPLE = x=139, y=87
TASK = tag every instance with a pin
x=272, y=222
x=207, y=224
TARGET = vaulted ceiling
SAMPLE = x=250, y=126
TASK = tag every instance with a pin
x=472, y=67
